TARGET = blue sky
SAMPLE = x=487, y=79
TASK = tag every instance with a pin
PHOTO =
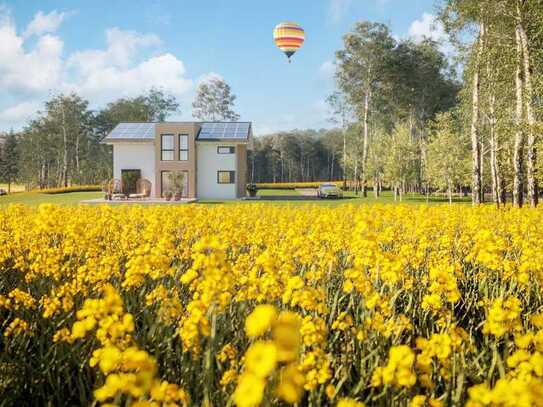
x=108, y=49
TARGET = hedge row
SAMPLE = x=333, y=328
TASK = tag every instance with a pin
x=73, y=188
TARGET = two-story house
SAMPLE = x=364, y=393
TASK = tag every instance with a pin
x=210, y=158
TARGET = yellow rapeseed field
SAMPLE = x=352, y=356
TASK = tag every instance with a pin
x=253, y=305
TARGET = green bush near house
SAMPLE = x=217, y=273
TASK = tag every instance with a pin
x=73, y=188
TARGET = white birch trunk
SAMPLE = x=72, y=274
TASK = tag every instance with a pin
x=475, y=145
x=528, y=98
x=64, y=173
x=366, y=140
x=518, y=181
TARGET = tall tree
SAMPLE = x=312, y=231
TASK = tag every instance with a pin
x=505, y=69
x=342, y=116
x=360, y=69
x=448, y=153
x=400, y=162
x=476, y=178
x=9, y=160
x=214, y=101
x=155, y=106
x=527, y=10
x=68, y=117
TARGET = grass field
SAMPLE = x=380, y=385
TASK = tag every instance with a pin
x=36, y=198
x=74, y=198
x=13, y=187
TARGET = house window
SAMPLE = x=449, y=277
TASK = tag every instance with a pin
x=226, y=177
x=166, y=147
x=175, y=182
x=183, y=147
x=226, y=149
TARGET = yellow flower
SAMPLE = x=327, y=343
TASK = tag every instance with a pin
x=109, y=358
x=291, y=384
x=16, y=327
x=260, y=320
x=261, y=358
x=286, y=336
x=399, y=370
x=330, y=391
x=250, y=390
x=503, y=317
x=348, y=402
x=418, y=401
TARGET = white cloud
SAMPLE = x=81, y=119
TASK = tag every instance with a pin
x=429, y=27
x=110, y=82
x=338, y=8
x=44, y=23
x=129, y=64
x=328, y=69
x=19, y=113
x=122, y=47
x=31, y=71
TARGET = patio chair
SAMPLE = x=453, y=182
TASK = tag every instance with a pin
x=116, y=189
x=143, y=189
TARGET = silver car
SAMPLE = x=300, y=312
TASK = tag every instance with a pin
x=329, y=190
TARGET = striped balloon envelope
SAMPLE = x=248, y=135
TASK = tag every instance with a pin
x=289, y=38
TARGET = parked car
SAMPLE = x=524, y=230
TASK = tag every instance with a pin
x=3, y=192
x=329, y=190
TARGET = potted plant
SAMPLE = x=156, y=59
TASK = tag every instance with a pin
x=252, y=190
x=168, y=195
x=177, y=180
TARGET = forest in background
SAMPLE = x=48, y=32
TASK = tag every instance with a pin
x=404, y=118
x=416, y=133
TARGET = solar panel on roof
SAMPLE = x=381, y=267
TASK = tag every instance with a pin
x=214, y=130
x=133, y=131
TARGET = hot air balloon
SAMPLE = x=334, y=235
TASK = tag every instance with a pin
x=289, y=38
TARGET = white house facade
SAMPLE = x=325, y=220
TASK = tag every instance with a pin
x=204, y=160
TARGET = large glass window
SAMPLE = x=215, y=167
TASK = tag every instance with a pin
x=226, y=177
x=183, y=147
x=176, y=182
x=166, y=147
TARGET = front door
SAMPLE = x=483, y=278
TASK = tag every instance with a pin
x=130, y=179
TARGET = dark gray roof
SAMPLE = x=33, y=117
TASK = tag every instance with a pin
x=132, y=131
x=217, y=131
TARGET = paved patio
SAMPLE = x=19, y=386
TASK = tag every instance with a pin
x=146, y=201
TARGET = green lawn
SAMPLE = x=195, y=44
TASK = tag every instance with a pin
x=277, y=192
x=36, y=198
x=74, y=198
x=349, y=198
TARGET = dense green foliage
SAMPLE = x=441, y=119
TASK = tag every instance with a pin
x=62, y=146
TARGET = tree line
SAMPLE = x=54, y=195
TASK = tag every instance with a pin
x=296, y=156
x=423, y=127
x=389, y=92
x=62, y=145
x=501, y=96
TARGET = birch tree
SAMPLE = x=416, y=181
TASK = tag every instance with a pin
x=360, y=69
x=214, y=100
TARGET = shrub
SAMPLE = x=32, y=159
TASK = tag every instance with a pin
x=72, y=188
